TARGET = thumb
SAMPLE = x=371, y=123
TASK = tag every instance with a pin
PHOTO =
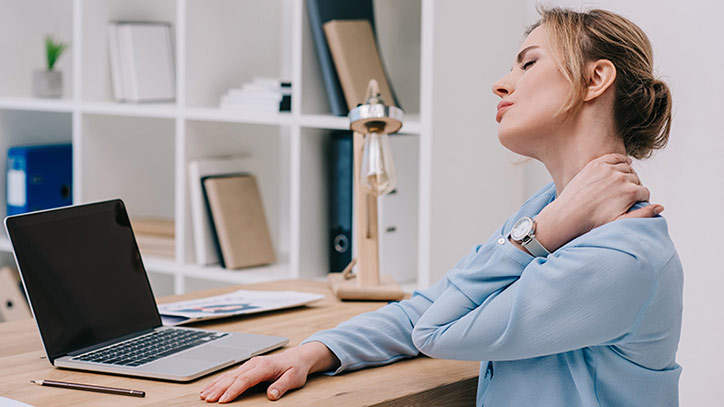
x=291, y=379
x=646, y=212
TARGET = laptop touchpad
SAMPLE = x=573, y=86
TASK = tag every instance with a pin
x=215, y=353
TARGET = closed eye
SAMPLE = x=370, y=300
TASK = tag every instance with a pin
x=527, y=64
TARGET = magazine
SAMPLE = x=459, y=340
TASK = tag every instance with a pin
x=239, y=302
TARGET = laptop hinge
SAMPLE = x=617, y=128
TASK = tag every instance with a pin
x=110, y=342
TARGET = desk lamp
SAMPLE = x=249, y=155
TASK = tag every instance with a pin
x=374, y=175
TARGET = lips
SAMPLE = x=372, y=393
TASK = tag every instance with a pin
x=502, y=107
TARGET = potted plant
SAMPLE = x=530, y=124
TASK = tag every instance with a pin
x=48, y=83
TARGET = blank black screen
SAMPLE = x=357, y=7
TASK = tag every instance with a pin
x=84, y=275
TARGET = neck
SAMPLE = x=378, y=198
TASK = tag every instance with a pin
x=579, y=140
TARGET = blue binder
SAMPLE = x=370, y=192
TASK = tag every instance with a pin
x=39, y=177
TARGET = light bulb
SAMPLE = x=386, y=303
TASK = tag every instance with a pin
x=377, y=176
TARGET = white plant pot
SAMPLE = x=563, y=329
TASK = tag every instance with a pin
x=47, y=84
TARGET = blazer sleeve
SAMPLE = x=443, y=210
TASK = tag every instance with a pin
x=582, y=295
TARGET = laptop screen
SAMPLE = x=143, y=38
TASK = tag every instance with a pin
x=84, y=275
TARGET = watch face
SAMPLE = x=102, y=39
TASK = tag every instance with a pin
x=521, y=228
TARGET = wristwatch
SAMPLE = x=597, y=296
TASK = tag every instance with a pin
x=523, y=232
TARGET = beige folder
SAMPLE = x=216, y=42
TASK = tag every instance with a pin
x=354, y=51
x=239, y=221
x=12, y=302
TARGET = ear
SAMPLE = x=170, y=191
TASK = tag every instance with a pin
x=601, y=74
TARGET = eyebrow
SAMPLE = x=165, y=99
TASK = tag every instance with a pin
x=522, y=53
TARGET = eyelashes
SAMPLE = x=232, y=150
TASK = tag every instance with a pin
x=527, y=64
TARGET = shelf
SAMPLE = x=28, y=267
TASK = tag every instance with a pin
x=237, y=116
x=277, y=271
x=156, y=110
x=40, y=105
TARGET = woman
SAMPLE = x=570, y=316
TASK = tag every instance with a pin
x=576, y=300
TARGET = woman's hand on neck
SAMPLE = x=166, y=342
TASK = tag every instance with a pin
x=587, y=135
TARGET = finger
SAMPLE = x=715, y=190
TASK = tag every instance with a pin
x=291, y=379
x=633, y=178
x=646, y=212
x=215, y=392
x=642, y=194
x=249, y=379
x=214, y=382
x=615, y=158
x=623, y=167
x=222, y=381
x=240, y=385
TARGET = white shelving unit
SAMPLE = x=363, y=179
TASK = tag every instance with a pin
x=441, y=57
x=140, y=152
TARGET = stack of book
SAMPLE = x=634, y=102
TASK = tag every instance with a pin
x=260, y=95
x=155, y=237
x=142, y=62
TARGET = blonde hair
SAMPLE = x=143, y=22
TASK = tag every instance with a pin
x=642, y=103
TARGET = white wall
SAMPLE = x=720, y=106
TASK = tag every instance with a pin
x=474, y=186
x=686, y=177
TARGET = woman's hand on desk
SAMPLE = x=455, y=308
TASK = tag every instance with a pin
x=287, y=370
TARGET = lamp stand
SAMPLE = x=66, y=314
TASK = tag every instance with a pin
x=366, y=284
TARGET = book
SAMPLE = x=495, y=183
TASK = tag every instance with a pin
x=154, y=226
x=261, y=95
x=157, y=246
x=142, y=61
x=114, y=52
x=320, y=12
x=238, y=221
x=155, y=236
x=354, y=51
x=204, y=247
x=239, y=302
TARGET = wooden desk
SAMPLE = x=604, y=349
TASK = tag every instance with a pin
x=415, y=382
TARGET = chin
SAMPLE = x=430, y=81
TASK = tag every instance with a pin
x=511, y=140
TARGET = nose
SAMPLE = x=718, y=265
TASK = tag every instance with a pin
x=503, y=86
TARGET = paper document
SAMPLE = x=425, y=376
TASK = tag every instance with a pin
x=236, y=303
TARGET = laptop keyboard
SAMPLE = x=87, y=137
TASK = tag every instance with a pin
x=149, y=347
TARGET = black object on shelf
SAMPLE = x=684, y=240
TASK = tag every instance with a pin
x=341, y=157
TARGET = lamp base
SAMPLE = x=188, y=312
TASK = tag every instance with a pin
x=348, y=289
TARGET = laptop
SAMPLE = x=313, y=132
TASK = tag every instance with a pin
x=92, y=301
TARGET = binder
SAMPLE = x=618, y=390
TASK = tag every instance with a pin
x=340, y=179
x=39, y=177
x=13, y=305
x=320, y=12
x=354, y=51
x=238, y=221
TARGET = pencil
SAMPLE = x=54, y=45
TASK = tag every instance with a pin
x=91, y=387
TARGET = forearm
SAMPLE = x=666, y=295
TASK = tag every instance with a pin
x=553, y=230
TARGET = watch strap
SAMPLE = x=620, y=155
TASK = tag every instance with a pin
x=534, y=247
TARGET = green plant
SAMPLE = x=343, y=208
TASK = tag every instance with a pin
x=53, y=48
